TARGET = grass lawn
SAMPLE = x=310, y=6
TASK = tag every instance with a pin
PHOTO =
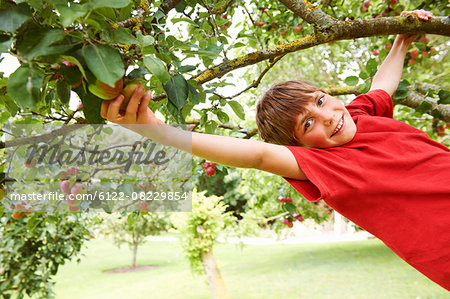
x=361, y=269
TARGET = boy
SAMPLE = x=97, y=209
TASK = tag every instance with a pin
x=384, y=175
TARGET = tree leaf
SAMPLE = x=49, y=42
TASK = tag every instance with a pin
x=238, y=109
x=351, y=80
x=444, y=97
x=24, y=86
x=193, y=94
x=14, y=16
x=124, y=36
x=177, y=90
x=38, y=41
x=63, y=91
x=372, y=66
x=104, y=62
x=157, y=68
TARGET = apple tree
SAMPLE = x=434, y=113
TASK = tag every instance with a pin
x=191, y=54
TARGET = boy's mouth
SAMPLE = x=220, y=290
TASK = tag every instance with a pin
x=339, y=128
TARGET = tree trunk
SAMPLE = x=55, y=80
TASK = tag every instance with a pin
x=135, y=246
x=215, y=280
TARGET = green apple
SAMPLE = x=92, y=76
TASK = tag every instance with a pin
x=104, y=91
x=128, y=91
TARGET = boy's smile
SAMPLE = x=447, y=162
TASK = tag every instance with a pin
x=327, y=123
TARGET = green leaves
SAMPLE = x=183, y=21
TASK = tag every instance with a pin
x=237, y=108
x=372, y=67
x=444, y=97
x=177, y=90
x=402, y=90
x=157, y=68
x=69, y=14
x=24, y=86
x=39, y=41
x=351, y=80
x=104, y=62
x=14, y=16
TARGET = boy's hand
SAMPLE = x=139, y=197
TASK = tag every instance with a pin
x=407, y=39
x=137, y=111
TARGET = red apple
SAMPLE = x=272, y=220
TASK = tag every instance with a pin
x=206, y=165
x=210, y=171
x=281, y=199
x=143, y=206
x=414, y=53
x=285, y=221
x=387, y=46
x=298, y=29
x=424, y=39
x=65, y=186
x=72, y=170
x=411, y=61
x=376, y=52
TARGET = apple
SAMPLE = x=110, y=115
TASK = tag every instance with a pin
x=285, y=221
x=440, y=131
x=65, y=62
x=74, y=208
x=425, y=53
x=128, y=91
x=284, y=32
x=414, y=53
x=424, y=39
x=72, y=170
x=411, y=61
x=104, y=91
x=265, y=10
x=224, y=27
x=17, y=215
x=213, y=165
x=364, y=8
x=210, y=171
x=260, y=24
x=78, y=188
x=366, y=3
x=290, y=224
x=376, y=52
x=142, y=206
x=298, y=29
x=65, y=186
x=281, y=199
x=387, y=46
x=206, y=165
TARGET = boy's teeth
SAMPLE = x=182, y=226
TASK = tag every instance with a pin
x=338, y=127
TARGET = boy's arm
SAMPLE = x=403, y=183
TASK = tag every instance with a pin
x=229, y=151
x=389, y=74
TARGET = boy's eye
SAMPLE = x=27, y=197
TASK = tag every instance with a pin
x=308, y=124
x=320, y=101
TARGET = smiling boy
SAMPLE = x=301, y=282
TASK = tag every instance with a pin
x=384, y=175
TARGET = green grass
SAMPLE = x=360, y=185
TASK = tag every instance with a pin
x=362, y=269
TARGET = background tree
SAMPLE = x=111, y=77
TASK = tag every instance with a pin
x=135, y=228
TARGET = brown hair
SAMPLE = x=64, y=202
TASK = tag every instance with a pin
x=278, y=109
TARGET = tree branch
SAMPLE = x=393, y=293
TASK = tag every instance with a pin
x=340, y=31
x=309, y=12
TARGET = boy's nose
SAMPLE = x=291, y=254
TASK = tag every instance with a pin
x=327, y=118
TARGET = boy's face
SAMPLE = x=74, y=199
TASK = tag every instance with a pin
x=327, y=123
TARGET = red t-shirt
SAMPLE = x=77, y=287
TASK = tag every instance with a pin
x=391, y=179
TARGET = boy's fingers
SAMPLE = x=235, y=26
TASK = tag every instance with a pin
x=135, y=99
x=113, y=110
x=104, y=109
x=145, y=101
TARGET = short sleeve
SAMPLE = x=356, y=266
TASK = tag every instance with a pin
x=376, y=103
